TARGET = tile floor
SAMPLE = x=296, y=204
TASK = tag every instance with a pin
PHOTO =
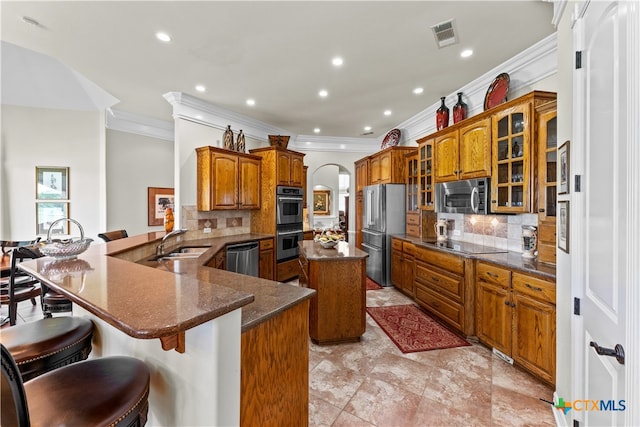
x=372, y=383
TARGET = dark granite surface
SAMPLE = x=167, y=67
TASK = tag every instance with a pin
x=169, y=297
x=314, y=251
x=512, y=260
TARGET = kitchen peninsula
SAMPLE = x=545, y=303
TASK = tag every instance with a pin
x=337, y=312
x=226, y=360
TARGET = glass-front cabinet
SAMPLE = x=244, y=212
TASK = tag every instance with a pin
x=511, y=133
x=547, y=162
x=426, y=199
x=412, y=184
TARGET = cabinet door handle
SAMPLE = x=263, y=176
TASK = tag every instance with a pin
x=490, y=274
x=507, y=303
x=435, y=304
x=435, y=279
x=533, y=288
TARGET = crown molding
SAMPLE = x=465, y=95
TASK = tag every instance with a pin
x=189, y=107
x=525, y=69
x=139, y=124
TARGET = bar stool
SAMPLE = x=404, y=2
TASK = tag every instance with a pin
x=106, y=391
x=43, y=345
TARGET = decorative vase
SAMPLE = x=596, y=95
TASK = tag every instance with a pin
x=227, y=138
x=240, y=145
x=459, y=110
x=168, y=220
x=442, y=116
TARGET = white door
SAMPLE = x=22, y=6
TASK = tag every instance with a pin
x=600, y=256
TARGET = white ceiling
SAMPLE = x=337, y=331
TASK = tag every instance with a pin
x=279, y=53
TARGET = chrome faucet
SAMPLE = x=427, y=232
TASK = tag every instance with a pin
x=160, y=248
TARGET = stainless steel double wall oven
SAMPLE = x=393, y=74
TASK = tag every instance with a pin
x=289, y=212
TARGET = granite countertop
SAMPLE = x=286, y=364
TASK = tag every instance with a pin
x=509, y=259
x=343, y=250
x=155, y=299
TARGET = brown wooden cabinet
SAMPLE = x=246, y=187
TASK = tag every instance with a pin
x=443, y=286
x=464, y=152
x=516, y=315
x=227, y=180
x=513, y=153
x=289, y=168
x=426, y=189
x=362, y=173
x=403, y=266
x=267, y=259
x=412, y=224
x=337, y=311
x=547, y=144
x=219, y=260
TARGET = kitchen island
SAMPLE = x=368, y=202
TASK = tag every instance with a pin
x=338, y=275
x=147, y=309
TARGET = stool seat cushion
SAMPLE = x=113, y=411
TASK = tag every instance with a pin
x=46, y=344
x=105, y=391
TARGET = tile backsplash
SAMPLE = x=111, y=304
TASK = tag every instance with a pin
x=500, y=231
x=221, y=223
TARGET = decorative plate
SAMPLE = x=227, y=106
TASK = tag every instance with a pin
x=392, y=139
x=497, y=92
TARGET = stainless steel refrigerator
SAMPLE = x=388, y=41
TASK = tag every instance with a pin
x=383, y=216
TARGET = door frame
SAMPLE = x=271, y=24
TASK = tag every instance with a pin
x=576, y=264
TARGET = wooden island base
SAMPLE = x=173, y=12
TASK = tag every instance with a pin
x=337, y=311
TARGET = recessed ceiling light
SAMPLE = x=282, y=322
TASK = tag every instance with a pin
x=418, y=90
x=337, y=61
x=323, y=93
x=201, y=88
x=251, y=102
x=163, y=37
x=466, y=53
x=316, y=130
x=387, y=112
x=367, y=128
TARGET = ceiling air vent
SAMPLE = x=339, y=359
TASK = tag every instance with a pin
x=445, y=33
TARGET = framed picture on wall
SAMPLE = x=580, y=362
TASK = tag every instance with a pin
x=158, y=199
x=52, y=183
x=563, y=225
x=563, y=156
x=321, y=202
x=47, y=213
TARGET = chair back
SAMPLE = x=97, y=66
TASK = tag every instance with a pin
x=14, y=410
x=17, y=277
x=108, y=236
x=8, y=245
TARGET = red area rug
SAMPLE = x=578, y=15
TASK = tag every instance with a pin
x=413, y=330
x=372, y=286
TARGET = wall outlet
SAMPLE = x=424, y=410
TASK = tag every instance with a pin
x=207, y=230
x=456, y=232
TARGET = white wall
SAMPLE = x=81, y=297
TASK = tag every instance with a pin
x=42, y=137
x=134, y=163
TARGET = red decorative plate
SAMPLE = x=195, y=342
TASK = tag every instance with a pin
x=497, y=92
x=392, y=139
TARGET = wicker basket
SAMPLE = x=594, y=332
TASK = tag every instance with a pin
x=279, y=140
x=65, y=249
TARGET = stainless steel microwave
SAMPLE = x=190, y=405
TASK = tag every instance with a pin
x=469, y=196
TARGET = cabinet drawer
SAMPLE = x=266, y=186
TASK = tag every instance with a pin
x=492, y=274
x=396, y=244
x=266, y=244
x=409, y=248
x=440, y=281
x=534, y=287
x=440, y=259
x=413, y=219
x=413, y=230
x=448, y=310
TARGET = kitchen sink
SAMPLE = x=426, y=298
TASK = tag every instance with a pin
x=184, y=252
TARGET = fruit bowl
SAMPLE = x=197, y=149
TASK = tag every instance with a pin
x=328, y=239
x=66, y=249
x=328, y=245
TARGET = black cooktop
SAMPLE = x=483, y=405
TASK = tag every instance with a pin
x=467, y=248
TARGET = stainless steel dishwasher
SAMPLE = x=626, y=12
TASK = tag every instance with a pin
x=244, y=258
